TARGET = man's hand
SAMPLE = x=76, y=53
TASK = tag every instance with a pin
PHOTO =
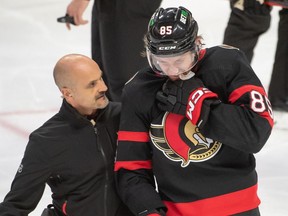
x=187, y=97
x=174, y=95
x=76, y=9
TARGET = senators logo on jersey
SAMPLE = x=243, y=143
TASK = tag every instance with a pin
x=180, y=140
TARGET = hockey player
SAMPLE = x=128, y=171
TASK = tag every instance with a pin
x=73, y=152
x=192, y=122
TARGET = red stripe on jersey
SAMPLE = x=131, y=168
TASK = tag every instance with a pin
x=64, y=206
x=282, y=4
x=132, y=165
x=237, y=93
x=202, y=53
x=133, y=136
x=267, y=116
x=228, y=204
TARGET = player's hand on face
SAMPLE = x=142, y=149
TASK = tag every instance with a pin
x=187, y=97
x=174, y=94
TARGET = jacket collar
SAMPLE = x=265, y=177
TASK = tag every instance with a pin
x=74, y=117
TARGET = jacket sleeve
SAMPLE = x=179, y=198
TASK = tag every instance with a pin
x=29, y=183
x=244, y=119
x=135, y=181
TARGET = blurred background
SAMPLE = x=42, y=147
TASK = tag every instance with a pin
x=31, y=41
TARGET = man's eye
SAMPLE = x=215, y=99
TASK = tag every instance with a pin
x=92, y=84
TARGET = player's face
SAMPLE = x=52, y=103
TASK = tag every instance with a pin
x=173, y=66
x=88, y=92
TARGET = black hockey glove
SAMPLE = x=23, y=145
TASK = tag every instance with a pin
x=187, y=97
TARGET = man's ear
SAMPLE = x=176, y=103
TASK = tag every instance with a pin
x=66, y=93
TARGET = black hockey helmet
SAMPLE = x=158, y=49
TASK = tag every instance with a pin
x=171, y=31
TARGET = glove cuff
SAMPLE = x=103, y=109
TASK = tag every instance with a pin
x=195, y=104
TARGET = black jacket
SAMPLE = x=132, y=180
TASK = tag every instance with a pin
x=76, y=160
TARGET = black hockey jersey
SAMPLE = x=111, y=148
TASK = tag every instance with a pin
x=197, y=172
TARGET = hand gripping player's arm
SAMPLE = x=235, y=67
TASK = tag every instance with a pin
x=187, y=97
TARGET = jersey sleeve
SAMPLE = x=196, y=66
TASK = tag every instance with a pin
x=244, y=119
x=133, y=167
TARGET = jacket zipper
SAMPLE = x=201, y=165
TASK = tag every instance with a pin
x=106, y=172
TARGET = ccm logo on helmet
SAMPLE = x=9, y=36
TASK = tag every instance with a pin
x=167, y=48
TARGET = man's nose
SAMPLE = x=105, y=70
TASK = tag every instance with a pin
x=103, y=86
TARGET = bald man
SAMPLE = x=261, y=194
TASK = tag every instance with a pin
x=73, y=152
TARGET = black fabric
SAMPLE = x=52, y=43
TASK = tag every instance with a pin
x=159, y=212
x=118, y=29
x=253, y=212
x=243, y=30
x=50, y=211
x=76, y=160
x=149, y=201
x=278, y=89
